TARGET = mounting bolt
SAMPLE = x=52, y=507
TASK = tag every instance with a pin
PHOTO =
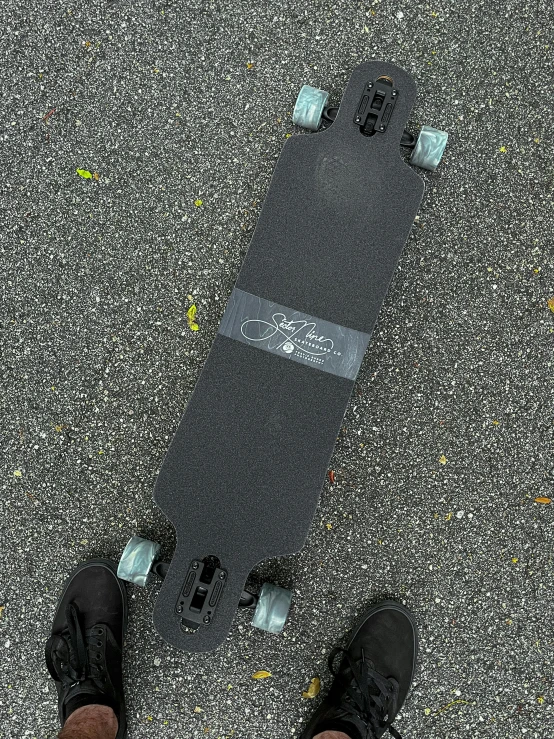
x=381, y=128
x=179, y=609
x=370, y=85
x=207, y=619
x=195, y=565
x=222, y=576
x=358, y=119
x=394, y=93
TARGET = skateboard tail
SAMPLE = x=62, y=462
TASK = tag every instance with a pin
x=195, y=614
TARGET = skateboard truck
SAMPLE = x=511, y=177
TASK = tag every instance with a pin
x=329, y=114
x=201, y=592
x=374, y=110
x=376, y=106
x=372, y=114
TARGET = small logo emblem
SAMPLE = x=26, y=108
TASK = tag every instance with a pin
x=288, y=347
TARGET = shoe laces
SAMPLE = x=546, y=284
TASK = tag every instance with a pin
x=73, y=657
x=370, y=696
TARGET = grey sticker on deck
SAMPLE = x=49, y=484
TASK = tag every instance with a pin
x=293, y=335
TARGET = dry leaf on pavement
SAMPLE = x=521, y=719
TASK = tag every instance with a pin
x=261, y=675
x=313, y=688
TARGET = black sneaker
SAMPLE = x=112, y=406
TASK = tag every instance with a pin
x=373, y=678
x=83, y=654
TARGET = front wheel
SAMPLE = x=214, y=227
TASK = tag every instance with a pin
x=137, y=559
x=272, y=609
x=309, y=107
x=429, y=148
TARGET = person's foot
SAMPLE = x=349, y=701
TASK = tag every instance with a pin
x=373, y=678
x=83, y=654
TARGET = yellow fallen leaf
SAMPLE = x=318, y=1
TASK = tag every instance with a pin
x=515, y=560
x=540, y=700
x=537, y=141
x=544, y=501
x=96, y=176
x=427, y=711
x=197, y=709
x=503, y=150
x=261, y=675
x=448, y=516
x=191, y=315
x=84, y=173
x=2, y=609
x=495, y=423
x=328, y=526
x=313, y=688
x=551, y=304
x=249, y=65
x=443, y=459
x=58, y=428
x=17, y=473
x=452, y=704
x=198, y=202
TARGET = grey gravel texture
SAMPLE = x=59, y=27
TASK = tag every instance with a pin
x=173, y=102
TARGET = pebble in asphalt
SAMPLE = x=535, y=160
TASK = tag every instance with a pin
x=171, y=103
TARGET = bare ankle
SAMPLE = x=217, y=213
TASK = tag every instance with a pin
x=90, y=722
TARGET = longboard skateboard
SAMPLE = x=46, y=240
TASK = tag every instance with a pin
x=268, y=404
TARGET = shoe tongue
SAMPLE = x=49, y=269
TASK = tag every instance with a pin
x=84, y=687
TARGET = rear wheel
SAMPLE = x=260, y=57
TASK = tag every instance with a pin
x=272, y=609
x=429, y=148
x=137, y=559
x=309, y=107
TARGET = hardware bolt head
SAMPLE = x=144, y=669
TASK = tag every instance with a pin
x=358, y=119
x=394, y=93
x=207, y=619
x=381, y=128
x=195, y=565
x=370, y=85
x=180, y=609
x=222, y=576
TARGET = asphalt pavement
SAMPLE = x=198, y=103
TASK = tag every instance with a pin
x=178, y=111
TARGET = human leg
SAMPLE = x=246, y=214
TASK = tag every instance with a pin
x=90, y=722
